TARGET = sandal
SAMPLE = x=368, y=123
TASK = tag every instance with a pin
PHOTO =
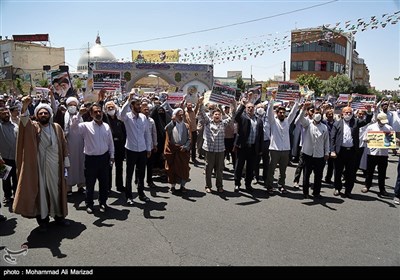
x=208, y=190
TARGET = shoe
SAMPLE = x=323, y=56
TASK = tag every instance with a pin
x=183, y=189
x=237, y=188
x=103, y=208
x=306, y=196
x=270, y=191
x=383, y=193
x=172, y=189
x=283, y=190
x=208, y=190
x=61, y=221
x=220, y=190
x=129, y=201
x=81, y=190
x=336, y=192
x=396, y=200
x=296, y=185
x=89, y=209
x=249, y=188
x=364, y=190
x=144, y=198
x=317, y=196
x=3, y=218
x=151, y=185
x=7, y=200
x=69, y=193
x=348, y=195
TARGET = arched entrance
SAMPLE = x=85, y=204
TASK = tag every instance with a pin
x=183, y=76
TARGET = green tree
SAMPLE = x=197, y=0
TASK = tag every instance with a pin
x=312, y=81
x=240, y=84
x=78, y=84
x=337, y=84
x=3, y=87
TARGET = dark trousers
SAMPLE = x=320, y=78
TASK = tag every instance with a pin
x=312, y=164
x=346, y=160
x=329, y=171
x=138, y=160
x=229, y=152
x=119, y=157
x=265, y=162
x=299, y=169
x=245, y=155
x=397, y=186
x=382, y=163
x=9, y=188
x=359, y=153
x=97, y=168
x=193, y=146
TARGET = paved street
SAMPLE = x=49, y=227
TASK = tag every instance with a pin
x=229, y=229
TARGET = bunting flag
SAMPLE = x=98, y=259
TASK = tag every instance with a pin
x=226, y=51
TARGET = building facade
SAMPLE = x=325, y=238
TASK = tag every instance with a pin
x=322, y=52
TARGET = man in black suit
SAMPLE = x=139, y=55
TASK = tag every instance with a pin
x=249, y=141
x=344, y=142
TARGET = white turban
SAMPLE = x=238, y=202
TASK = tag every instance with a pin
x=43, y=106
x=176, y=111
x=72, y=99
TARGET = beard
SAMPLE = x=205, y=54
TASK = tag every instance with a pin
x=44, y=120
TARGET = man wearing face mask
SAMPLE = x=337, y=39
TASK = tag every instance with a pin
x=76, y=174
x=344, y=141
x=42, y=155
x=315, y=149
x=377, y=157
x=119, y=137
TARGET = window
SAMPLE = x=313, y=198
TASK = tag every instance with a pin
x=320, y=65
x=6, y=58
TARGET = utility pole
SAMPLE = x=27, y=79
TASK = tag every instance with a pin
x=284, y=71
x=251, y=75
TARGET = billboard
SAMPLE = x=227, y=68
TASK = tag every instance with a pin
x=152, y=56
x=31, y=37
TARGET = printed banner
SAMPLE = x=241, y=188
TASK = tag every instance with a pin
x=61, y=83
x=381, y=139
x=107, y=80
x=140, y=56
x=175, y=97
x=288, y=91
x=221, y=94
x=360, y=101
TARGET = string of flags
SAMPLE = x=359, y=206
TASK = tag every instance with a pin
x=227, y=51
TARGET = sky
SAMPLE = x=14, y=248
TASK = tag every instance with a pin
x=193, y=26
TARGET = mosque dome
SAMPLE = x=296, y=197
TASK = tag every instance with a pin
x=96, y=53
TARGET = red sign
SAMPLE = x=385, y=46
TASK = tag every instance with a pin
x=31, y=38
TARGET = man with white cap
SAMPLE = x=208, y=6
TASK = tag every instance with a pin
x=42, y=155
x=378, y=156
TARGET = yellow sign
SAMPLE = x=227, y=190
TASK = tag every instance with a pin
x=381, y=140
x=140, y=56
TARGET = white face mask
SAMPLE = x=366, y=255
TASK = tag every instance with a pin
x=72, y=110
x=260, y=111
x=111, y=112
x=317, y=117
x=348, y=117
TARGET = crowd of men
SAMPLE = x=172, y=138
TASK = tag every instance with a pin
x=54, y=144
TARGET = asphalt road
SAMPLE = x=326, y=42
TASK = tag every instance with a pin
x=229, y=229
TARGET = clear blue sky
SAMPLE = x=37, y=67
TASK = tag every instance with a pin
x=74, y=24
